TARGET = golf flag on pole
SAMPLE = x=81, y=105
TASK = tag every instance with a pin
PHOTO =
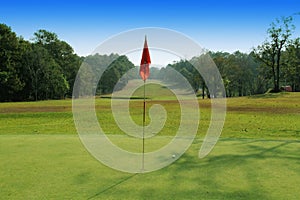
x=145, y=62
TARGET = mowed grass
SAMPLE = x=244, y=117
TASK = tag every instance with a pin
x=58, y=167
x=257, y=156
x=264, y=116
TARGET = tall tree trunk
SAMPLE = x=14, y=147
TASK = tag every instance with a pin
x=278, y=70
x=203, y=90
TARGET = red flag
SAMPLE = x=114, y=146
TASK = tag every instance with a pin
x=145, y=62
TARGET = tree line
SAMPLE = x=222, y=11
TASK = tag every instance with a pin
x=46, y=67
x=102, y=74
x=268, y=67
x=239, y=73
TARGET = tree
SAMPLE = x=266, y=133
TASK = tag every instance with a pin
x=220, y=59
x=111, y=69
x=62, y=53
x=47, y=79
x=154, y=73
x=113, y=75
x=44, y=37
x=10, y=68
x=85, y=84
x=270, y=52
x=186, y=69
x=291, y=57
x=238, y=71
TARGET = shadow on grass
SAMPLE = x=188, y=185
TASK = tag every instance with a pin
x=115, y=97
x=112, y=186
x=243, y=167
x=268, y=95
x=234, y=171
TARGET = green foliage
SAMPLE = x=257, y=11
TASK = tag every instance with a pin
x=110, y=69
x=114, y=74
x=291, y=63
x=10, y=65
x=63, y=55
x=270, y=52
x=238, y=70
x=186, y=69
x=154, y=72
x=47, y=79
x=45, y=69
x=44, y=37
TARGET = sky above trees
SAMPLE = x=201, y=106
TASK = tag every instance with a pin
x=217, y=25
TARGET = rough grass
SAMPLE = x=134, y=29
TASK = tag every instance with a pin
x=257, y=156
x=247, y=117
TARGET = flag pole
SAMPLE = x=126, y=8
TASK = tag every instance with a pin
x=144, y=73
x=144, y=121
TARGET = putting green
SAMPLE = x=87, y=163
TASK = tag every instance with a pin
x=58, y=166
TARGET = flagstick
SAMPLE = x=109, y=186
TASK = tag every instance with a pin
x=144, y=73
x=144, y=120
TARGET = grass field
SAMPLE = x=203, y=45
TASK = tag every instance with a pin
x=257, y=156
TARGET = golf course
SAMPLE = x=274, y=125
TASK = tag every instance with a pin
x=150, y=100
x=256, y=157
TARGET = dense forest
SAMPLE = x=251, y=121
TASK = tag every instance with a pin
x=46, y=67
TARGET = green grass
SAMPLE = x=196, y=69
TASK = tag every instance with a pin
x=276, y=116
x=37, y=123
x=58, y=167
x=257, y=156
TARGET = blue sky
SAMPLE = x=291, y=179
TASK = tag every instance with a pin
x=218, y=25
